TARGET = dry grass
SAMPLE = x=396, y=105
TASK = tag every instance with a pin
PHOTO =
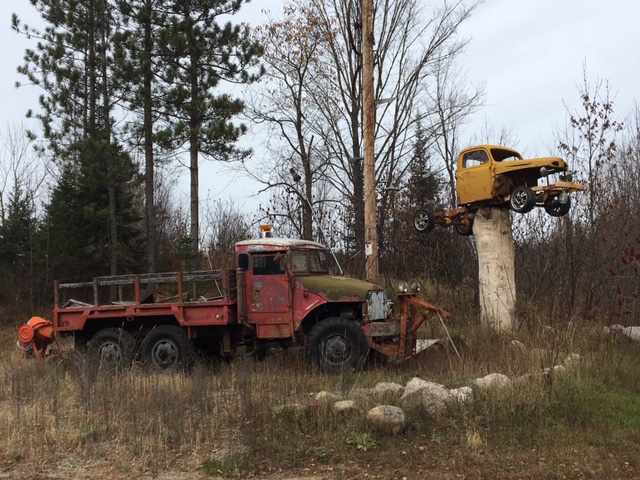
x=239, y=419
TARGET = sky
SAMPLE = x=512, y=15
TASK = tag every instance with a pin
x=529, y=54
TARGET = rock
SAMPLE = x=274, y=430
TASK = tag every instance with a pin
x=387, y=417
x=387, y=390
x=429, y=396
x=327, y=397
x=573, y=360
x=344, y=406
x=460, y=396
x=416, y=384
x=633, y=333
x=492, y=380
x=555, y=369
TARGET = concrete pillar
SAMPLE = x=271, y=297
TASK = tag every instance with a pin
x=496, y=261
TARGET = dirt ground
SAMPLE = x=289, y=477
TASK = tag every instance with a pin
x=75, y=467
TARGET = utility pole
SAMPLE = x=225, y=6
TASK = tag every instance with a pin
x=368, y=135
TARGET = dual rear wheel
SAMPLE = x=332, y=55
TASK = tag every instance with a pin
x=166, y=347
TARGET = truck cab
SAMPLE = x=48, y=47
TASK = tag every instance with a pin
x=288, y=292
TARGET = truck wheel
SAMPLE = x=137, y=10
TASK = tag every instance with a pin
x=112, y=348
x=556, y=209
x=167, y=347
x=424, y=221
x=522, y=199
x=336, y=344
x=465, y=227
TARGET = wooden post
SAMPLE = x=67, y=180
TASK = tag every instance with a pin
x=368, y=134
x=496, y=262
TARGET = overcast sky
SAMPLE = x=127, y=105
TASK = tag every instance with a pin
x=529, y=53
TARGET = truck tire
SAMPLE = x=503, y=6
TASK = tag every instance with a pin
x=424, y=221
x=112, y=348
x=336, y=344
x=556, y=209
x=465, y=227
x=167, y=347
x=522, y=199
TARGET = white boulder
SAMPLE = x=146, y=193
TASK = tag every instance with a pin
x=492, y=380
x=387, y=417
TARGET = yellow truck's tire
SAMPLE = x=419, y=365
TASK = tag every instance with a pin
x=522, y=199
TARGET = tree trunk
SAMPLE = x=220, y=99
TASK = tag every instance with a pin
x=149, y=191
x=194, y=149
x=195, y=202
x=496, y=262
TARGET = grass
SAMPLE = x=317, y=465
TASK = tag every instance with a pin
x=246, y=418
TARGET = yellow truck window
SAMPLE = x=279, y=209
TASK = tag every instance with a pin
x=473, y=159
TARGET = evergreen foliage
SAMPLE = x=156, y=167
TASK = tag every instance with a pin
x=97, y=61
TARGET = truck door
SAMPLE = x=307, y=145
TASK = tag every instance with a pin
x=268, y=293
x=473, y=178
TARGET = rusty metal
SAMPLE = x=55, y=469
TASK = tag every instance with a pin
x=413, y=312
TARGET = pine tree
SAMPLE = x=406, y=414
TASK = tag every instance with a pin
x=17, y=232
x=424, y=184
x=201, y=55
x=73, y=65
x=137, y=60
x=76, y=226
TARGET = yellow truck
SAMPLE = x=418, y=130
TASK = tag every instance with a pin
x=493, y=175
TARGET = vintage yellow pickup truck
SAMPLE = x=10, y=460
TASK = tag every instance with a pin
x=493, y=175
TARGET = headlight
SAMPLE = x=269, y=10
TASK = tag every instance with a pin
x=563, y=198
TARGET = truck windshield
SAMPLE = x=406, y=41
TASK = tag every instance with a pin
x=309, y=261
x=504, y=155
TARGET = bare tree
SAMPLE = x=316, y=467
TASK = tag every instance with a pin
x=590, y=144
x=19, y=169
x=291, y=52
x=574, y=254
x=411, y=47
x=224, y=226
x=454, y=102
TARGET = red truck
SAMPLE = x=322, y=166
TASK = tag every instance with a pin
x=279, y=295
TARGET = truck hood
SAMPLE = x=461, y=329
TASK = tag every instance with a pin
x=554, y=164
x=338, y=288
